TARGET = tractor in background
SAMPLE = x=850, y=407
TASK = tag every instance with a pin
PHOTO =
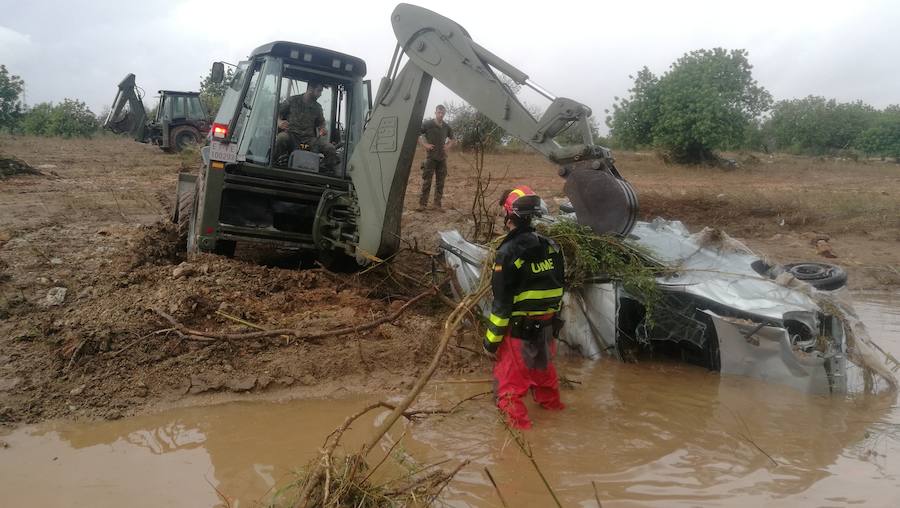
x=181, y=118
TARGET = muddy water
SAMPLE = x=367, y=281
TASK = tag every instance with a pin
x=641, y=435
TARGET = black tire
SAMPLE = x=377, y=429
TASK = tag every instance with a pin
x=819, y=275
x=225, y=248
x=184, y=210
x=183, y=136
x=338, y=262
x=191, y=236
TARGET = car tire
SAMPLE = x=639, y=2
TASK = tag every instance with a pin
x=339, y=262
x=821, y=276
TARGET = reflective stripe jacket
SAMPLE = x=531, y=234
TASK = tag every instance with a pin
x=528, y=277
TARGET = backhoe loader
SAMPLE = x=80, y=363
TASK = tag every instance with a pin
x=352, y=213
x=181, y=118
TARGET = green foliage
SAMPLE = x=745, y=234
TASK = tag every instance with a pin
x=11, y=87
x=211, y=93
x=883, y=138
x=70, y=118
x=37, y=119
x=816, y=125
x=590, y=257
x=471, y=128
x=632, y=120
x=707, y=100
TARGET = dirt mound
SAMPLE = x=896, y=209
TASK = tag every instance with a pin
x=157, y=244
x=101, y=350
x=10, y=166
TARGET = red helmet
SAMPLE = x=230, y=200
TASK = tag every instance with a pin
x=522, y=202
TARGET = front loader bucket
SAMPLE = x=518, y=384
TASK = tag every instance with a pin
x=602, y=199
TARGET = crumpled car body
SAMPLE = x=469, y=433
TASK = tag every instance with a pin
x=720, y=310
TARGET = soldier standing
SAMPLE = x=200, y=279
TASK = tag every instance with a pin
x=436, y=138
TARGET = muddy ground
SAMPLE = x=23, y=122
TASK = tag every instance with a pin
x=84, y=260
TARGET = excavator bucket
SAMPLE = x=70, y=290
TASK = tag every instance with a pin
x=602, y=199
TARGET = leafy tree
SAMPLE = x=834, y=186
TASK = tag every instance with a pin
x=70, y=118
x=211, y=93
x=818, y=125
x=73, y=118
x=36, y=120
x=11, y=87
x=472, y=128
x=707, y=100
x=632, y=120
x=884, y=137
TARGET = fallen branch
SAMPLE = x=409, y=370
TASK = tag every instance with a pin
x=596, y=494
x=354, y=463
x=75, y=355
x=297, y=333
x=239, y=320
x=496, y=488
x=450, y=325
x=526, y=450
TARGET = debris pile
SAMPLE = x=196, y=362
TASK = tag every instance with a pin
x=11, y=166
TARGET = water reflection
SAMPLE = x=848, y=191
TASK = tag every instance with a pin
x=652, y=434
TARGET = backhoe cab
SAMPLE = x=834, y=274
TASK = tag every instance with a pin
x=181, y=118
x=353, y=212
x=243, y=192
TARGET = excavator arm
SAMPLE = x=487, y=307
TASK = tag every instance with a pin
x=439, y=48
x=127, y=114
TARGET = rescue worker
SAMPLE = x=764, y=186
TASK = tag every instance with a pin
x=527, y=284
x=302, y=125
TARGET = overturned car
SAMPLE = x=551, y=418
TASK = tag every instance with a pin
x=722, y=307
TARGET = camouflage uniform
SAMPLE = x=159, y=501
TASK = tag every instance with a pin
x=304, y=120
x=436, y=160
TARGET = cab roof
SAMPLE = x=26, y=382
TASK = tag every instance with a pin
x=315, y=57
x=177, y=92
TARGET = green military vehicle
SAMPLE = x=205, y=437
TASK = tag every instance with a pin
x=181, y=118
x=352, y=212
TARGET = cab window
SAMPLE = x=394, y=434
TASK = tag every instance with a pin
x=292, y=85
x=195, y=109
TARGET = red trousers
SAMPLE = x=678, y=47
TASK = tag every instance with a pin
x=513, y=378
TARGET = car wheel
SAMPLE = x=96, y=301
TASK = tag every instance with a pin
x=819, y=275
x=338, y=261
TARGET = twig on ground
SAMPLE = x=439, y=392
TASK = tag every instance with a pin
x=135, y=341
x=75, y=355
x=450, y=325
x=462, y=381
x=526, y=450
x=223, y=497
x=746, y=437
x=293, y=332
x=239, y=320
x=596, y=494
x=496, y=488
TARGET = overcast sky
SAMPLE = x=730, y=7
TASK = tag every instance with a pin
x=846, y=50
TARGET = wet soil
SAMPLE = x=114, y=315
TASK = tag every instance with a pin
x=654, y=434
x=85, y=257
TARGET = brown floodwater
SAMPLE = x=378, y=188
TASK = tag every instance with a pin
x=652, y=434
